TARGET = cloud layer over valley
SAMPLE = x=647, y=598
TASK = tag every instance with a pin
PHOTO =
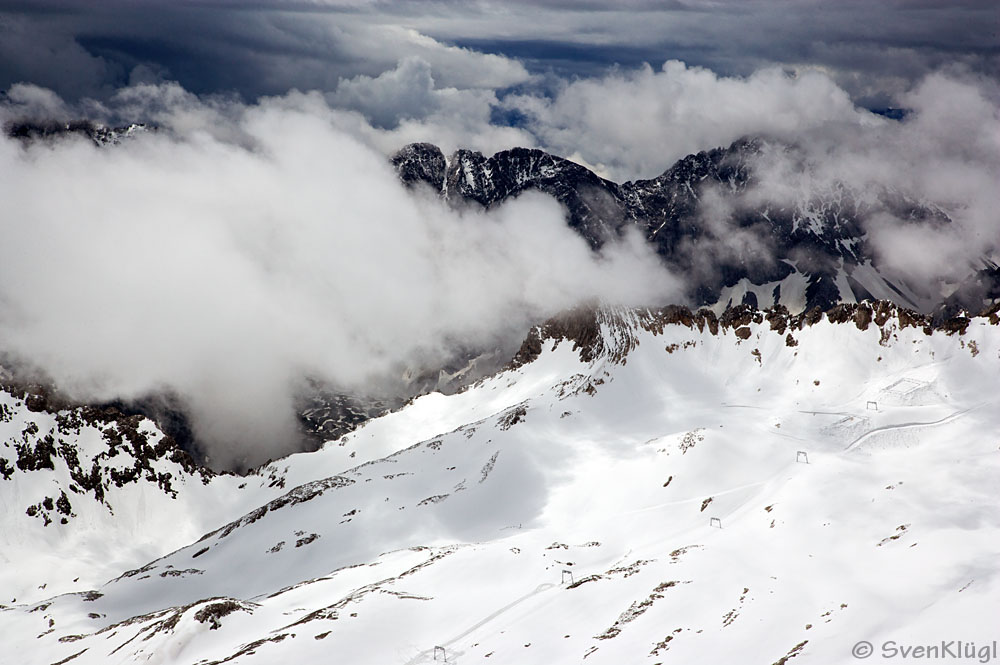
x=227, y=262
x=252, y=242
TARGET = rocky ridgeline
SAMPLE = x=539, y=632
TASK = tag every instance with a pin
x=820, y=235
x=100, y=134
x=595, y=332
x=97, y=448
x=610, y=333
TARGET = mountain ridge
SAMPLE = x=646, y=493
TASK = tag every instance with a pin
x=815, y=253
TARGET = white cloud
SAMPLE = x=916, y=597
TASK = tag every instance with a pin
x=637, y=123
x=454, y=66
x=24, y=100
x=944, y=155
x=240, y=248
x=401, y=93
x=228, y=271
x=407, y=101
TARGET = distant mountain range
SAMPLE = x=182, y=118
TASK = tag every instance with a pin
x=814, y=253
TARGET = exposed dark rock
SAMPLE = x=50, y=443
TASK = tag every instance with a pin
x=38, y=456
x=99, y=134
x=530, y=349
x=213, y=612
x=512, y=416
x=863, y=316
x=579, y=325
x=421, y=162
x=594, y=204
x=300, y=494
x=305, y=540
x=740, y=316
x=957, y=324
x=777, y=317
x=840, y=313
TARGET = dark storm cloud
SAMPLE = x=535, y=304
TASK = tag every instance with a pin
x=875, y=49
x=263, y=49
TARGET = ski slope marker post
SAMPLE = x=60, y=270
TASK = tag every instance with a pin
x=802, y=456
x=565, y=574
x=442, y=652
x=715, y=521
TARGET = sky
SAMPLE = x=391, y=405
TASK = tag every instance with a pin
x=872, y=48
x=259, y=237
x=491, y=75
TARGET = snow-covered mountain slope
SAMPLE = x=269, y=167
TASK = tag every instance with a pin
x=85, y=492
x=660, y=487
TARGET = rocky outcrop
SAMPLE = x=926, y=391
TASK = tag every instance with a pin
x=421, y=162
x=94, y=448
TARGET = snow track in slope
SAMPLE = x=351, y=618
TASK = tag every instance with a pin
x=906, y=426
